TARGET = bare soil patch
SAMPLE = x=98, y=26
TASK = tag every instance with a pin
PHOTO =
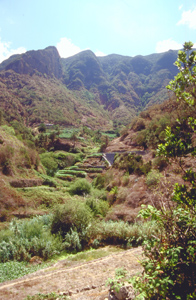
x=81, y=281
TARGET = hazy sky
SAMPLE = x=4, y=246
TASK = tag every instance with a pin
x=123, y=27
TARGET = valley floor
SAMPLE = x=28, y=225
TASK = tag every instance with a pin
x=81, y=281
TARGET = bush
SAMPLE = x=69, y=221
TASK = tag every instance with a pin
x=28, y=238
x=49, y=163
x=129, y=162
x=65, y=159
x=170, y=255
x=47, y=180
x=72, y=241
x=160, y=163
x=6, y=155
x=73, y=215
x=99, y=181
x=80, y=187
x=98, y=207
x=153, y=178
x=8, y=129
x=121, y=233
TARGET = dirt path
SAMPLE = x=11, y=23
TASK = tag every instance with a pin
x=81, y=281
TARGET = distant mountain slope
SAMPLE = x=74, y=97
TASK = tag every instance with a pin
x=125, y=85
x=36, y=99
x=39, y=86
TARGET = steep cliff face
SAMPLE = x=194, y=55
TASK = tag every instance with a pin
x=45, y=61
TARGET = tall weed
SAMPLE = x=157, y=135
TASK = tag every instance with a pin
x=29, y=238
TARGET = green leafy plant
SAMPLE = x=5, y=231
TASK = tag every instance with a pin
x=119, y=280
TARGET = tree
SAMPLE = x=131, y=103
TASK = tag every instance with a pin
x=42, y=127
x=170, y=264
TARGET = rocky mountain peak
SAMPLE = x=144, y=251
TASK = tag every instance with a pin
x=45, y=61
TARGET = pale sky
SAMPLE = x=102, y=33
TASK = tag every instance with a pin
x=126, y=27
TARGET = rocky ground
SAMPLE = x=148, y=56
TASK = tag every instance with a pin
x=79, y=280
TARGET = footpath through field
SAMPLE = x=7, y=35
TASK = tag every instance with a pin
x=81, y=281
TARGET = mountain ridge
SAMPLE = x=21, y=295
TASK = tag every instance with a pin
x=115, y=85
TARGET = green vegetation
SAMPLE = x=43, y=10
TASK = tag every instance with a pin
x=169, y=267
x=51, y=296
x=80, y=187
x=83, y=87
x=28, y=238
x=131, y=163
x=68, y=207
x=66, y=172
x=153, y=178
x=72, y=227
x=14, y=269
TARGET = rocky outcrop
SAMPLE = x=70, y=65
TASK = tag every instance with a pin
x=45, y=61
x=126, y=292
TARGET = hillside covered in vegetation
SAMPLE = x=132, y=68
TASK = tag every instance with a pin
x=39, y=86
x=60, y=194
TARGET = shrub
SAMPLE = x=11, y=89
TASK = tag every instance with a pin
x=129, y=162
x=122, y=194
x=49, y=163
x=47, y=180
x=72, y=241
x=125, y=179
x=139, y=125
x=8, y=129
x=153, y=178
x=99, y=194
x=28, y=238
x=99, y=181
x=122, y=233
x=6, y=155
x=42, y=127
x=65, y=159
x=80, y=187
x=73, y=215
x=160, y=163
x=98, y=207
